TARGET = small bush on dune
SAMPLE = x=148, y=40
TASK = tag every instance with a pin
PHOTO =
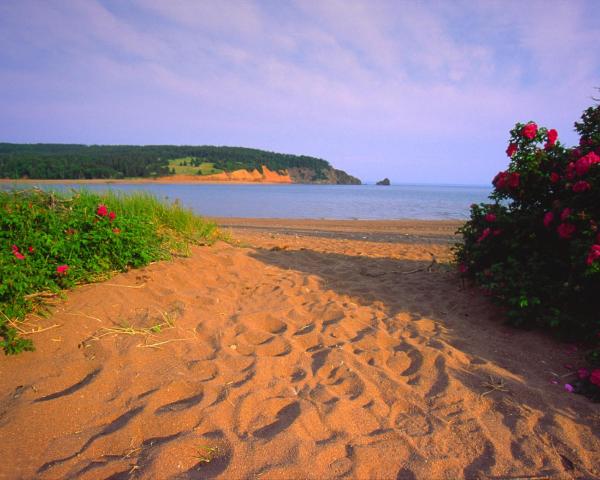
x=536, y=248
x=50, y=242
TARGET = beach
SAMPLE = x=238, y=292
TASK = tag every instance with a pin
x=297, y=349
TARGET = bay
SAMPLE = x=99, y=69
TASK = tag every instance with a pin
x=363, y=202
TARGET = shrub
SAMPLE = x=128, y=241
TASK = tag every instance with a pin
x=49, y=242
x=535, y=249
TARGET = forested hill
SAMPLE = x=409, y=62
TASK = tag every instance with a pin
x=73, y=161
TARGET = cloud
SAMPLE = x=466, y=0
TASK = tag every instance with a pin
x=336, y=75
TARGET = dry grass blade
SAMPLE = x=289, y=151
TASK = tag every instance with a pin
x=35, y=329
x=168, y=322
x=158, y=344
x=84, y=315
x=41, y=295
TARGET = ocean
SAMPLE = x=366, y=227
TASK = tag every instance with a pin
x=362, y=202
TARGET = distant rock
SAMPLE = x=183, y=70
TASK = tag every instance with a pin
x=385, y=181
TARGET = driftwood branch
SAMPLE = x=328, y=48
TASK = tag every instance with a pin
x=428, y=268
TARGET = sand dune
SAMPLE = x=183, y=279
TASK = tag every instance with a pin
x=306, y=352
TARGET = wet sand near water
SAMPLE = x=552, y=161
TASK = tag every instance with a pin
x=303, y=349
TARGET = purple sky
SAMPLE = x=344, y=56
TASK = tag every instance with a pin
x=415, y=91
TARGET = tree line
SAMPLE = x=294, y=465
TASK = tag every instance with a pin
x=75, y=161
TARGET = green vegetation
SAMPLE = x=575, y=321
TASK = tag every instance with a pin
x=192, y=166
x=535, y=248
x=50, y=242
x=72, y=161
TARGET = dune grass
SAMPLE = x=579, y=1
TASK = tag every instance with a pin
x=50, y=242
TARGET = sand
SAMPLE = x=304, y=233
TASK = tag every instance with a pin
x=306, y=350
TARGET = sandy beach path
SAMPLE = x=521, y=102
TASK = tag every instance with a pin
x=305, y=349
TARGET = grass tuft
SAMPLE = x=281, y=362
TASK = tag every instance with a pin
x=50, y=242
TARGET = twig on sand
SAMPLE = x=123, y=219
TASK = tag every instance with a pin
x=428, y=268
x=494, y=385
x=124, y=286
x=523, y=477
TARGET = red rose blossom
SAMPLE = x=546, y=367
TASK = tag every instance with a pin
x=583, y=165
x=552, y=136
x=548, y=219
x=490, y=217
x=565, y=214
x=31, y=249
x=512, y=148
x=486, y=233
x=463, y=268
x=583, y=373
x=112, y=216
x=581, y=186
x=554, y=177
x=62, y=269
x=500, y=180
x=506, y=179
x=529, y=131
x=513, y=180
x=18, y=255
x=595, y=377
x=566, y=230
x=102, y=210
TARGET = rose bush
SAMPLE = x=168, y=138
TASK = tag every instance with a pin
x=535, y=249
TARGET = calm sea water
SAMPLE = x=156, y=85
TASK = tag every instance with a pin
x=365, y=202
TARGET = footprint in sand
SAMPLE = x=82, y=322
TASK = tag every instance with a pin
x=266, y=418
x=414, y=424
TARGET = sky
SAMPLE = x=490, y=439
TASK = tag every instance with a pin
x=416, y=91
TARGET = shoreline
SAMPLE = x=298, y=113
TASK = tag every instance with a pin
x=149, y=181
x=386, y=231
